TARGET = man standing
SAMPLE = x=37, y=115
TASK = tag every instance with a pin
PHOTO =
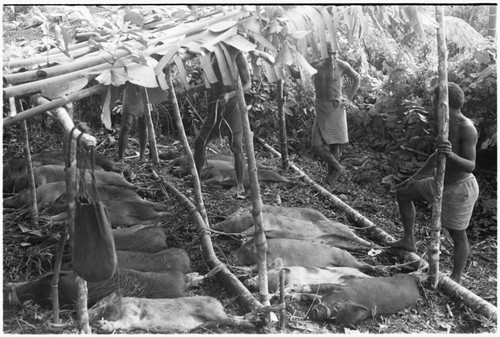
x=460, y=186
x=224, y=117
x=330, y=124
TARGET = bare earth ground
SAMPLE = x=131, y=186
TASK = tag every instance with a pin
x=361, y=188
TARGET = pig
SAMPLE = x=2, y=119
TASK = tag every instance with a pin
x=168, y=259
x=179, y=315
x=56, y=193
x=299, y=253
x=297, y=279
x=362, y=298
x=52, y=173
x=140, y=238
x=219, y=170
x=127, y=213
x=294, y=226
x=169, y=284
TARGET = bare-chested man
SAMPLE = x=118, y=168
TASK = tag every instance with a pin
x=460, y=186
x=330, y=124
x=224, y=117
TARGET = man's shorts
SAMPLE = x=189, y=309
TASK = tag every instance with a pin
x=226, y=122
x=458, y=200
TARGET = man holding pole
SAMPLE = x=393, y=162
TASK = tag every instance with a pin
x=460, y=190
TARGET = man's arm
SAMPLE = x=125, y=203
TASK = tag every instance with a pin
x=463, y=159
x=347, y=69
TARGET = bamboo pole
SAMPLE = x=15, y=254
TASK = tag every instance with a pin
x=442, y=123
x=282, y=120
x=446, y=284
x=50, y=105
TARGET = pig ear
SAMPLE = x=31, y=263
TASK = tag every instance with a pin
x=277, y=264
x=357, y=309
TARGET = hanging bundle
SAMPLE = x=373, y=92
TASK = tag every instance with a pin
x=94, y=255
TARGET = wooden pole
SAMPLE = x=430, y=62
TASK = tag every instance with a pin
x=282, y=120
x=151, y=129
x=442, y=123
x=259, y=237
x=50, y=105
x=182, y=133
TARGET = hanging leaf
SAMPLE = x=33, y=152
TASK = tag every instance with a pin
x=115, y=77
x=222, y=26
x=59, y=89
x=143, y=75
x=183, y=77
x=106, y=105
x=240, y=43
x=167, y=59
x=134, y=17
x=207, y=68
x=223, y=67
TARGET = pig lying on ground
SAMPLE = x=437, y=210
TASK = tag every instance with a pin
x=220, y=171
x=362, y=298
x=170, y=284
x=299, y=253
x=161, y=315
x=298, y=279
x=52, y=173
x=56, y=193
x=128, y=213
x=140, y=238
x=294, y=223
x=168, y=259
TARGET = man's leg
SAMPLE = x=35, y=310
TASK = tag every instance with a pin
x=236, y=141
x=143, y=136
x=126, y=124
x=405, y=199
x=318, y=147
x=460, y=253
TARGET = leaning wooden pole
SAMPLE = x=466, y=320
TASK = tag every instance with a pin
x=185, y=143
x=442, y=122
x=151, y=129
x=257, y=205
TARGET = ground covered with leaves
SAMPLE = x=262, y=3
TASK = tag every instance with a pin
x=26, y=256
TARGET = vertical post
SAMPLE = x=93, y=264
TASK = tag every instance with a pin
x=259, y=237
x=282, y=120
x=442, y=123
x=150, y=127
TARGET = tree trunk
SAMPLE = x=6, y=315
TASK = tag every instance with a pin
x=282, y=120
x=492, y=22
x=442, y=123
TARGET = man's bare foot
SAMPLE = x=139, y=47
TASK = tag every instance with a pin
x=457, y=279
x=235, y=190
x=405, y=244
x=334, y=176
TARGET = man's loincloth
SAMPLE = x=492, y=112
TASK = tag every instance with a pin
x=331, y=121
x=458, y=200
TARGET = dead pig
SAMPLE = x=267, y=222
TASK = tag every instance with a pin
x=52, y=173
x=362, y=298
x=128, y=213
x=56, y=193
x=300, y=253
x=298, y=279
x=168, y=259
x=168, y=284
x=161, y=315
x=140, y=238
x=296, y=227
